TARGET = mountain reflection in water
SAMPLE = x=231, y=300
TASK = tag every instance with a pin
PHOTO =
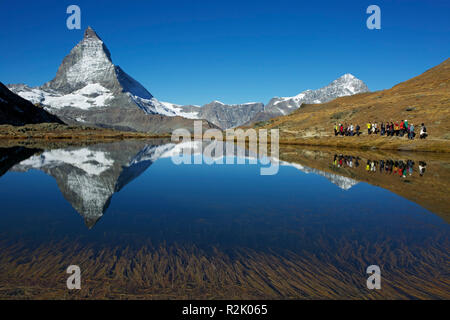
x=88, y=177
x=223, y=231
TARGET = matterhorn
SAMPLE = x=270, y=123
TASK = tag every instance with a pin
x=89, y=89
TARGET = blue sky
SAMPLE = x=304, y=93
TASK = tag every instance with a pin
x=193, y=52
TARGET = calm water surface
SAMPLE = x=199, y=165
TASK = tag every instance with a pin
x=140, y=226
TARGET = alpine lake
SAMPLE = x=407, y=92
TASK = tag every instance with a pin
x=141, y=226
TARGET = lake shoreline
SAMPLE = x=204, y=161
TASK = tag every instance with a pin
x=39, y=134
x=33, y=135
x=369, y=143
x=374, y=143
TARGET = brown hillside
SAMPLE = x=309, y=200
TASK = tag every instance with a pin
x=425, y=98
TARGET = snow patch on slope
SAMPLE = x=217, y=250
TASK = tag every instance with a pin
x=154, y=106
x=91, y=96
x=178, y=110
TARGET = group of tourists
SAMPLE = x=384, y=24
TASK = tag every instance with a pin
x=389, y=129
x=347, y=130
x=402, y=168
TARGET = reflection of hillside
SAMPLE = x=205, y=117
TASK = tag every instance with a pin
x=430, y=190
x=11, y=156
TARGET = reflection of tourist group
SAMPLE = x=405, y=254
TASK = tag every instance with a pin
x=402, y=168
x=389, y=129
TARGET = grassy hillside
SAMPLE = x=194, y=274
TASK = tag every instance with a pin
x=425, y=98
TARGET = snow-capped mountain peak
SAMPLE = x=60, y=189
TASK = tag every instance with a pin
x=89, y=33
x=88, y=62
x=345, y=85
x=347, y=76
x=349, y=84
x=87, y=79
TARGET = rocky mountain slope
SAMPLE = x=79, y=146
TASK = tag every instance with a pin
x=89, y=89
x=425, y=98
x=224, y=115
x=17, y=111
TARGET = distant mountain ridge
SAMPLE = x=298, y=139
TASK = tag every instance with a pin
x=346, y=85
x=228, y=116
x=224, y=115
